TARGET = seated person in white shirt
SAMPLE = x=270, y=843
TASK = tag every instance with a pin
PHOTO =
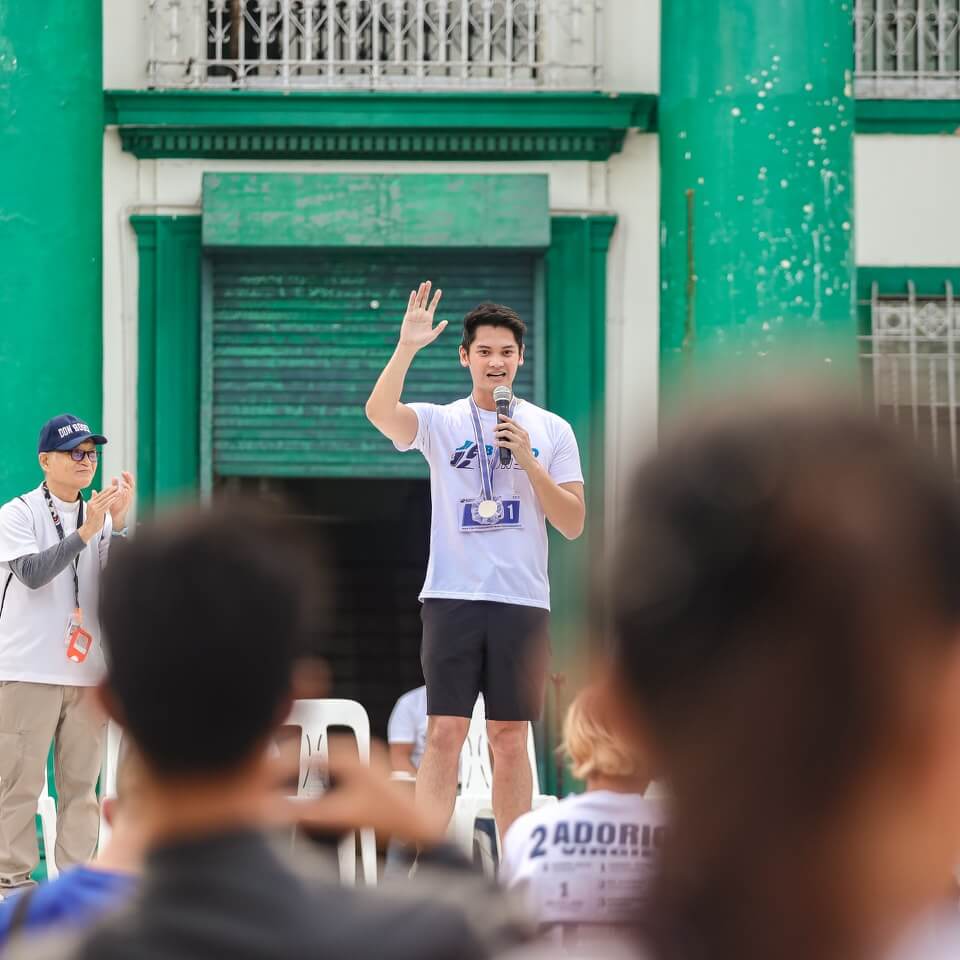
x=585, y=863
x=407, y=731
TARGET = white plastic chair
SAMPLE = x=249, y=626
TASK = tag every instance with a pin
x=476, y=781
x=108, y=775
x=47, y=808
x=314, y=718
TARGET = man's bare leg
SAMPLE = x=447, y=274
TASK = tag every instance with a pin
x=512, y=779
x=437, y=776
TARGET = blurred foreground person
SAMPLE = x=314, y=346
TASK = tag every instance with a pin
x=787, y=606
x=199, y=675
x=82, y=894
x=585, y=864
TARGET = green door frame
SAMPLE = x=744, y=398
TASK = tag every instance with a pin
x=170, y=442
x=168, y=361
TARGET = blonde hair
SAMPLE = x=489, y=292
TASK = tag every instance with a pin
x=589, y=742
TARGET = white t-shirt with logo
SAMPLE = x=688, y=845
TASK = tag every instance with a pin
x=408, y=723
x=33, y=623
x=506, y=565
x=588, y=859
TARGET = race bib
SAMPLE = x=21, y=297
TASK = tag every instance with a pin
x=506, y=516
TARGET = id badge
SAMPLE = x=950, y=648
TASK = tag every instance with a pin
x=507, y=515
x=78, y=640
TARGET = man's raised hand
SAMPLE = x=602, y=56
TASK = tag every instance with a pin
x=96, y=511
x=417, y=329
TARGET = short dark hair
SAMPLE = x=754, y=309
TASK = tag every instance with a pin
x=492, y=315
x=204, y=615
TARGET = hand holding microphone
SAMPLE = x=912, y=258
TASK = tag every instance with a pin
x=512, y=439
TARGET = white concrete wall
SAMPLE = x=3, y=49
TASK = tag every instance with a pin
x=627, y=186
x=631, y=45
x=907, y=196
x=633, y=314
x=125, y=44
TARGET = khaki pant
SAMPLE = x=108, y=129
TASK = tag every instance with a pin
x=31, y=716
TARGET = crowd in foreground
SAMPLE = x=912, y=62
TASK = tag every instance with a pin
x=785, y=657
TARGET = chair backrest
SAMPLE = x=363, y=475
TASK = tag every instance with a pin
x=314, y=718
x=108, y=774
x=476, y=774
x=111, y=759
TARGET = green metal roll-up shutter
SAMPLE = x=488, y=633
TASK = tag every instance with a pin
x=298, y=340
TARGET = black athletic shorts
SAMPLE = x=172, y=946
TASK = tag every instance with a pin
x=501, y=650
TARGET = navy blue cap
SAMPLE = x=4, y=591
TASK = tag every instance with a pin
x=66, y=432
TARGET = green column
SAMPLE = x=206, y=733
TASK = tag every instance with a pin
x=756, y=147
x=51, y=110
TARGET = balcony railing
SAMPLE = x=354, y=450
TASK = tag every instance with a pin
x=375, y=44
x=908, y=48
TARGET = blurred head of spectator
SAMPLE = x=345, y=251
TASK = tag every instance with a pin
x=203, y=625
x=787, y=608
x=598, y=753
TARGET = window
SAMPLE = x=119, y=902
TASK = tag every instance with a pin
x=909, y=352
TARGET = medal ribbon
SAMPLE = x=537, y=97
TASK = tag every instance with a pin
x=486, y=466
x=56, y=522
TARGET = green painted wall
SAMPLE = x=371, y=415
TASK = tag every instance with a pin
x=51, y=132
x=756, y=137
x=375, y=210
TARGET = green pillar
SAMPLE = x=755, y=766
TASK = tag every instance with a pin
x=756, y=148
x=51, y=118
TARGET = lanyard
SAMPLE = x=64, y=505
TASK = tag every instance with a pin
x=56, y=522
x=486, y=466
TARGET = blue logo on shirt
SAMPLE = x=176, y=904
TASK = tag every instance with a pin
x=465, y=456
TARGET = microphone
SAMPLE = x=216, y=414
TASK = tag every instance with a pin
x=502, y=397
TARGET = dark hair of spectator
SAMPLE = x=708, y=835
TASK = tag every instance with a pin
x=204, y=615
x=492, y=315
x=782, y=577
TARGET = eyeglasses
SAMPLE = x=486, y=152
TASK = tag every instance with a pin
x=77, y=455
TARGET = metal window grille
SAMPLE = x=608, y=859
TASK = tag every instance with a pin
x=910, y=360
x=907, y=48
x=407, y=44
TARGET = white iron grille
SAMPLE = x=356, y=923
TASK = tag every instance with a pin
x=443, y=44
x=908, y=48
x=910, y=358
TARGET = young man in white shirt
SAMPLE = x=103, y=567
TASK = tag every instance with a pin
x=53, y=546
x=486, y=598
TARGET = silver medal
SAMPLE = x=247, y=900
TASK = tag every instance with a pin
x=487, y=509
